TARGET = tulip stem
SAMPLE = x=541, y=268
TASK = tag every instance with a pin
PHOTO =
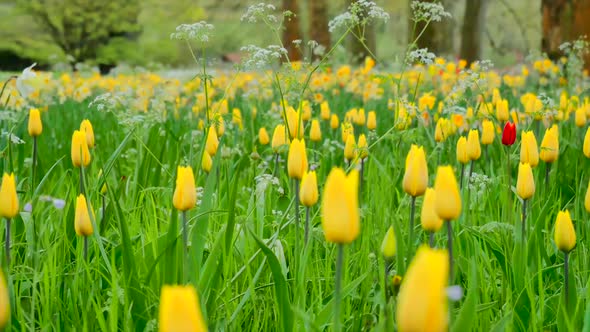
x=509, y=197
x=431, y=239
x=462, y=173
x=485, y=153
x=82, y=180
x=450, y=248
x=307, y=209
x=566, y=283
x=411, y=230
x=85, y=247
x=361, y=177
x=276, y=170
x=547, y=171
x=185, y=243
x=104, y=207
x=7, y=242
x=523, y=232
x=34, y=166
x=296, y=208
x=337, y=295
x=470, y=172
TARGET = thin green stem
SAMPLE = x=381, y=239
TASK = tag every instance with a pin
x=566, y=281
x=85, y=247
x=307, y=212
x=450, y=248
x=185, y=244
x=523, y=224
x=337, y=286
x=411, y=229
x=431, y=239
x=7, y=242
x=34, y=165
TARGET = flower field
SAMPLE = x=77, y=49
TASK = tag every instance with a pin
x=306, y=197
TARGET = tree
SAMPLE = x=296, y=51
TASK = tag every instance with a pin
x=292, y=30
x=318, y=23
x=81, y=27
x=438, y=37
x=474, y=22
x=563, y=21
x=363, y=34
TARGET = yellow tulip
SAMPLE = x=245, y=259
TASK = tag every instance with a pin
x=462, y=156
x=550, y=145
x=212, y=142
x=315, y=132
x=35, y=124
x=580, y=117
x=206, y=162
x=297, y=159
x=334, y=122
x=473, y=146
x=439, y=132
x=325, y=110
x=372, y=121
x=360, y=117
x=4, y=302
x=350, y=148
x=448, y=198
x=586, y=148
x=565, y=234
x=502, y=113
x=80, y=151
x=185, y=193
x=430, y=220
x=295, y=123
x=529, y=153
x=422, y=300
x=8, y=197
x=346, y=130
x=488, y=132
x=86, y=128
x=180, y=310
x=263, y=138
x=82, y=221
x=279, y=138
x=388, y=246
x=416, y=175
x=340, y=211
x=362, y=147
x=308, y=192
x=525, y=183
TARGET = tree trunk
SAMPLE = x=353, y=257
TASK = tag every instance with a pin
x=438, y=36
x=474, y=22
x=563, y=21
x=292, y=30
x=368, y=35
x=318, y=24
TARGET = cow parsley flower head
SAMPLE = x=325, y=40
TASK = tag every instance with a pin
x=429, y=11
x=421, y=55
x=261, y=11
x=200, y=31
x=360, y=12
x=259, y=57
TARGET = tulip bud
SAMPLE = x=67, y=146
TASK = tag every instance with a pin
x=462, y=156
x=362, y=147
x=529, y=153
x=388, y=246
x=565, y=234
x=279, y=138
x=295, y=123
x=350, y=148
x=502, y=113
x=439, y=134
x=82, y=221
x=346, y=130
x=80, y=152
x=448, y=198
x=4, y=302
x=308, y=192
x=180, y=310
x=430, y=220
x=487, y=134
x=8, y=197
x=580, y=117
x=372, y=121
x=316, y=132
x=416, y=176
x=360, y=117
x=422, y=299
x=206, y=162
x=334, y=122
x=550, y=145
x=212, y=142
x=86, y=128
x=185, y=193
x=325, y=110
x=473, y=146
x=525, y=183
x=509, y=134
x=297, y=159
x=35, y=123
x=586, y=147
x=340, y=211
x=263, y=138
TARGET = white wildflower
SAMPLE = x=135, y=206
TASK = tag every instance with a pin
x=429, y=11
x=260, y=11
x=24, y=81
x=200, y=31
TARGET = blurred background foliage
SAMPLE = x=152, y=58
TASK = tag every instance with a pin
x=136, y=32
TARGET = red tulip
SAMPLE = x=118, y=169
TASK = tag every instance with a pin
x=509, y=134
